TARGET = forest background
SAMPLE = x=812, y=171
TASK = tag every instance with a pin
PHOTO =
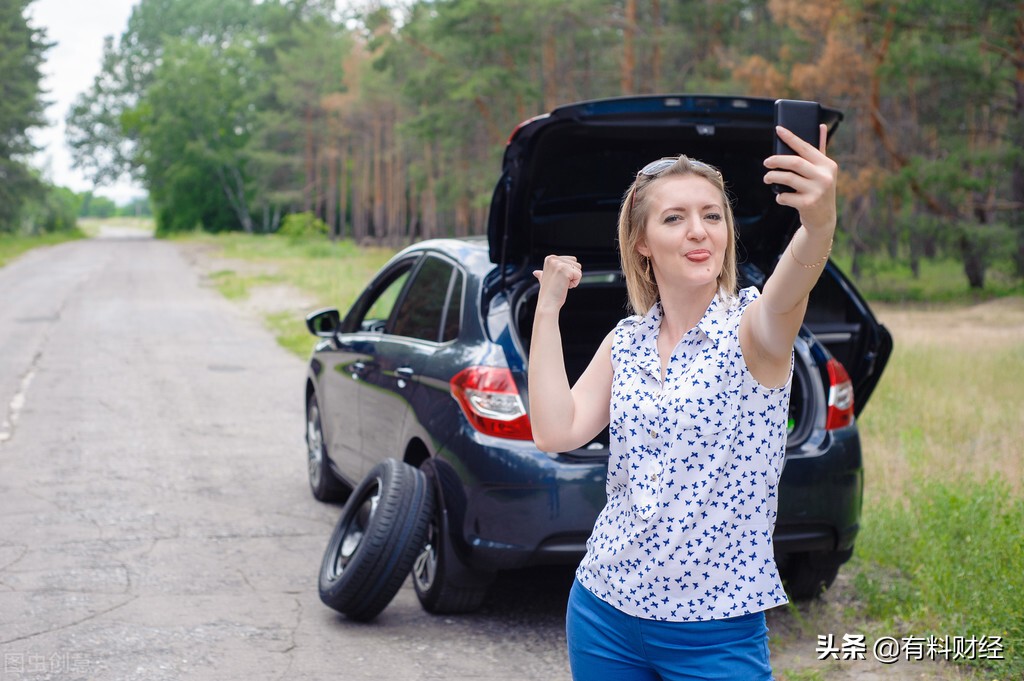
x=386, y=122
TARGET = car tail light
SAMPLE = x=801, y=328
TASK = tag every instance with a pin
x=489, y=398
x=840, y=396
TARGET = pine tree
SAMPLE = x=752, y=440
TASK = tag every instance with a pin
x=21, y=108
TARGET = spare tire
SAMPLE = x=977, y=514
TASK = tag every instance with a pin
x=382, y=528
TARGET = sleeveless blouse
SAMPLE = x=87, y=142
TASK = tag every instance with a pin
x=693, y=473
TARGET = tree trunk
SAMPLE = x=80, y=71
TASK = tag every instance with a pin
x=332, y=192
x=627, y=80
x=656, y=47
x=429, y=207
x=360, y=191
x=233, y=185
x=377, y=226
x=549, y=69
x=1016, y=132
x=343, y=191
x=307, y=187
x=318, y=181
x=974, y=265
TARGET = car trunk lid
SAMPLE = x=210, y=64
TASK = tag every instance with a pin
x=564, y=175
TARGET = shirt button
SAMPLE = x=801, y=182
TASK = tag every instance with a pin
x=653, y=433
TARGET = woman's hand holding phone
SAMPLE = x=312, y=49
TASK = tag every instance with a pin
x=807, y=173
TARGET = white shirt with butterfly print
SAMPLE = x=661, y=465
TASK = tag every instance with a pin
x=693, y=472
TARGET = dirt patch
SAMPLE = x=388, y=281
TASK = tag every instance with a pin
x=261, y=300
x=796, y=633
x=207, y=260
x=992, y=323
x=273, y=298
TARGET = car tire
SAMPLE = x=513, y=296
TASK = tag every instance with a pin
x=808, y=575
x=444, y=584
x=382, y=529
x=324, y=484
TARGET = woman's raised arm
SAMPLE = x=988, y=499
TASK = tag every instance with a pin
x=771, y=323
x=564, y=418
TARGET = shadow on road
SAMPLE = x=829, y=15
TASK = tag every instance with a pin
x=530, y=594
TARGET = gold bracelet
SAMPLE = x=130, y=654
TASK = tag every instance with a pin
x=816, y=265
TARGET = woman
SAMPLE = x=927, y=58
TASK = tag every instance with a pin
x=695, y=387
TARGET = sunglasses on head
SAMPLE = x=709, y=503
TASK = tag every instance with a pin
x=655, y=168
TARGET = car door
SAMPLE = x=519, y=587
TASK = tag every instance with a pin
x=347, y=362
x=412, y=336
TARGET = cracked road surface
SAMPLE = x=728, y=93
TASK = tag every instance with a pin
x=155, y=521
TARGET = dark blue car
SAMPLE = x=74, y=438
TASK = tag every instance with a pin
x=429, y=365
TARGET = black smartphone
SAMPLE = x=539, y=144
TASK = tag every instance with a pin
x=799, y=117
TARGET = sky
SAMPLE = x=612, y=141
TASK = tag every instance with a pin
x=78, y=28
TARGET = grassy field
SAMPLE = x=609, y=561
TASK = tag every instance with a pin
x=941, y=551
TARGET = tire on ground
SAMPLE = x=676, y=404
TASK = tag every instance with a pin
x=382, y=529
x=444, y=583
x=808, y=575
x=323, y=483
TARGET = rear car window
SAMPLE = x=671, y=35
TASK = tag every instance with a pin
x=421, y=311
x=453, y=315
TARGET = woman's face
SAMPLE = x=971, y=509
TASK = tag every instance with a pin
x=685, y=235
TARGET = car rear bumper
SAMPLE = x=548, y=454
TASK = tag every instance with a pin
x=544, y=507
x=820, y=496
x=513, y=506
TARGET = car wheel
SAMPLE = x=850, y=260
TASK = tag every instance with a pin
x=381, y=531
x=444, y=583
x=324, y=484
x=808, y=575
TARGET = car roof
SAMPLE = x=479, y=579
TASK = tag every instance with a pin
x=470, y=251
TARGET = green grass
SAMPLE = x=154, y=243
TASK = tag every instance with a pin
x=235, y=286
x=291, y=332
x=948, y=560
x=12, y=245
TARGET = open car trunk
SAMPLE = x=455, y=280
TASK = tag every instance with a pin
x=563, y=178
x=593, y=308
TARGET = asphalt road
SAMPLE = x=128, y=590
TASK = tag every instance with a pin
x=155, y=521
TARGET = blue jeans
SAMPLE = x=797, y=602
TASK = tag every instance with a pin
x=605, y=643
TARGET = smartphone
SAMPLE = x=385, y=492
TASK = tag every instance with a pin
x=801, y=118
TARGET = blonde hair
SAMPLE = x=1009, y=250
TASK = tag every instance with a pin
x=640, y=282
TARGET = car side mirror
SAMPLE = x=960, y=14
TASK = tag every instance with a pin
x=324, y=323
